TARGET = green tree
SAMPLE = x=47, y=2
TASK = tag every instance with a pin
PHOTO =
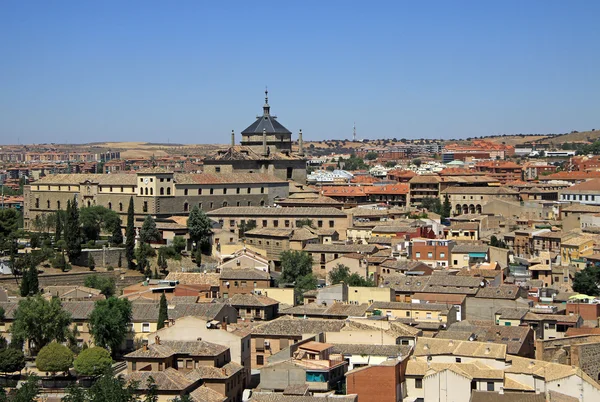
x=339, y=273
x=178, y=243
x=75, y=393
x=142, y=253
x=183, y=398
x=296, y=268
x=446, y=208
x=130, y=236
x=91, y=262
x=432, y=205
x=35, y=240
x=199, y=226
x=73, y=230
x=11, y=360
x=246, y=227
x=417, y=162
x=495, y=242
x=151, y=390
x=105, y=284
x=587, y=280
x=93, y=361
x=198, y=257
x=28, y=392
x=305, y=222
x=109, y=388
x=109, y=322
x=149, y=233
x=163, y=312
x=54, y=358
x=58, y=229
x=40, y=322
x=371, y=156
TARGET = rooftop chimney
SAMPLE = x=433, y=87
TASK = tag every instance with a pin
x=300, y=144
x=157, y=340
x=265, y=152
x=232, y=138
x=145, y=347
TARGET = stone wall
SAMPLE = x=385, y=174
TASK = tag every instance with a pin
x=587, y=357
x=104, y=257
x=71, y=278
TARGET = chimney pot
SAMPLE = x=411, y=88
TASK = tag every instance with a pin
x=157, y=340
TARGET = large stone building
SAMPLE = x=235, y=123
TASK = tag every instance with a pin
x=266, y=147
x=155, y=192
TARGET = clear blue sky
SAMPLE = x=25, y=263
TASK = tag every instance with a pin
x=191, y=71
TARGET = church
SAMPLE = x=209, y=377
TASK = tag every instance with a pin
x=266, y=147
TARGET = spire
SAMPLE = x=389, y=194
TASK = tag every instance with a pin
x=266, y=107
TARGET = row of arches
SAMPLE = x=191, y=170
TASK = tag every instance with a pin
x=467, y=209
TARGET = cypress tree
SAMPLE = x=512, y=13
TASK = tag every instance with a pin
x=91, y=262
x=24, y=285
x=59, y=227
x=163, y=313
x=34, y=282
x=73, y=231
x=130, y=236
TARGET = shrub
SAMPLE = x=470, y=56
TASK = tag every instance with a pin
x=11, y=360
x=54, y=358
x=93, y=361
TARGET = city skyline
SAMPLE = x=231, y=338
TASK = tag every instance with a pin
x=78, y=73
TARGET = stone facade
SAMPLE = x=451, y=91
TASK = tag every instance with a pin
x=155, y=192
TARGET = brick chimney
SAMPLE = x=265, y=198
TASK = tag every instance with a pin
x=157, y=340
x=145, y=347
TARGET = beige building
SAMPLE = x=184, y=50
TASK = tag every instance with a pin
x=364, y=294
x=155, y=191
x=470, y=200
x=281, y=217
x=326, y=253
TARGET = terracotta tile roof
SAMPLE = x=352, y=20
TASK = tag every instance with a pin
x=194, y=278
x=166, y=380
x=346, y=191
x=170, y=348
x=500, y=292
x=393, y=189
x=210, y=372
x=371, y=350
x=244, y=300
x=433, y=346
x=296, y=326
x=244, y=274
x=276, y=397
x=205, y=394
x=226, y=178
x=310, y=212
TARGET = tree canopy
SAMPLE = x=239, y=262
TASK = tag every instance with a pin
x=73, y=230
x=40, y=321
x=149, y=233
x=97, y=219
x=587, y=280
x=11, y=360
x=105, y=284
x=341, y=273
x=54, y=358
x=130, y=235
x=296, y=268
x=199, y=226
x=93, y=361
x=109, y=322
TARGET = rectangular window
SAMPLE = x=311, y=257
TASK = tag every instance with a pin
x=287, y=223
x=418, y=383
x=275, y=223
x=442, y=255
x=429, y=255
x=490, y=386
x=264, y=223
x=320, y=224
x=260, y=360
x=145, y=327
x=331, y=224
x=418, y=255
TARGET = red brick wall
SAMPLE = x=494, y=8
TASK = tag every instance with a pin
x=375, y=384
x=586, y=311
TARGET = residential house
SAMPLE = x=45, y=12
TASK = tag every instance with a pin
x=574, y=250
x=312, y=364
x=242, y=281
x=489, y=299
x=254, y=307
x=467, y=255
x=587, y=192
x=423, y=186
x=459, y=231
x=433, y=252
x=357, y=264
x=339, y=311
x=324, y=253
x=472, y=199
x=457, y=301
x=190, y=328
x=370, y=294
x=244, y=258
x=414, y=312
x=271, y=337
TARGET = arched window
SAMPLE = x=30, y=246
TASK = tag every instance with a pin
x=151, y=191
x=48, y=204
x=146, y=191
x=141, y=191
x=262, y=203
x=89, y=203
x=199, y=191
x=162, y=191
x=186, y=206
x=110, y=205
x=168, y=190
x=224, y=203
x=185, y=192
x=121, y=207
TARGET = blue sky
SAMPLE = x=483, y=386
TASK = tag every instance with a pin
x=191, y=71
